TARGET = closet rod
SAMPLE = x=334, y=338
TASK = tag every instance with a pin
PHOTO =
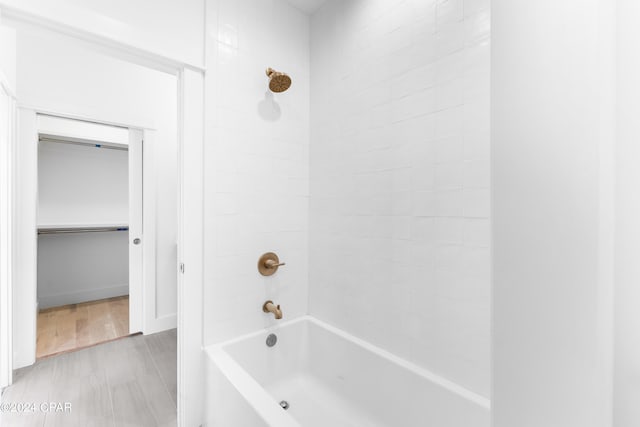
x=80, y=230
x=85, y=144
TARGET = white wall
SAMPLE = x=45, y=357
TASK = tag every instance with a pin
x=8, y=57
x=82, y=185
x=75, y=268
x=256, y=164
x=627, y=297
x=61, y=75
x=552, y=142
x=399, y=246
x=85, y=82
x=172, y=28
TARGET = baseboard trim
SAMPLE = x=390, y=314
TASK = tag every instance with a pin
x=47, y=301
x=160, y=324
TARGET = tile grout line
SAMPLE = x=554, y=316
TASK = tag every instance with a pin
x=155, y=365
x=137, y=383
x=53, y=376
x=113, y=411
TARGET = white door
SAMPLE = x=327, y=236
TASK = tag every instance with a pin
x=7, y=138
x=136, y=239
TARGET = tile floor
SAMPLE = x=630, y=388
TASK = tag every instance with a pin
x=127, y=382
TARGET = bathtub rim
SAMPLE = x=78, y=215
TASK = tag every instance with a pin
x=426, y=374
x=253, y=392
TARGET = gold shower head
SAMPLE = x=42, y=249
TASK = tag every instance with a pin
x=278, y=82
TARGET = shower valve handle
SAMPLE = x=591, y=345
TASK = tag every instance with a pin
x=269, y=263
x=272, y=264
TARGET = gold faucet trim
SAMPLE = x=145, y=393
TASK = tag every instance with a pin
x=268, y=264
x=270, y=307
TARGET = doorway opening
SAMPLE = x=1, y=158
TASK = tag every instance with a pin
x=88, y=209
x=76, y=73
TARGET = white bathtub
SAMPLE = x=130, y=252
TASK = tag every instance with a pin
x=329, y=378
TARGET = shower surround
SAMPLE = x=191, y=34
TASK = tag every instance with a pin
x=256, y=164
x=369, y=177
x=399, y=207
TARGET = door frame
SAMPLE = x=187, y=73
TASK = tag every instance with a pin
x=139, y=261
x=138, y=229
x=25, y=334
x=7, y=160
x=190, y=200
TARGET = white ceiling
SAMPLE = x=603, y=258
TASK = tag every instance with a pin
x=308, y=6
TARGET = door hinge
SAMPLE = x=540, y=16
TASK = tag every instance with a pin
x=182, y=267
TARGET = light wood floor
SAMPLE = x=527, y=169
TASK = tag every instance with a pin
x=80, y=325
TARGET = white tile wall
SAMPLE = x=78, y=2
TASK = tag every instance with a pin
x=397, y=232
x=399, y=179
x=256, y=163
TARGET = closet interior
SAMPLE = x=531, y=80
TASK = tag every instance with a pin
x=83, y=234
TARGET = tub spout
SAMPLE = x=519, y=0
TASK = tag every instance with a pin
x=270, y=307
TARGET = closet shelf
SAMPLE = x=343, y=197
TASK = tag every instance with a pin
x=84, y=225
x=81, y=228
